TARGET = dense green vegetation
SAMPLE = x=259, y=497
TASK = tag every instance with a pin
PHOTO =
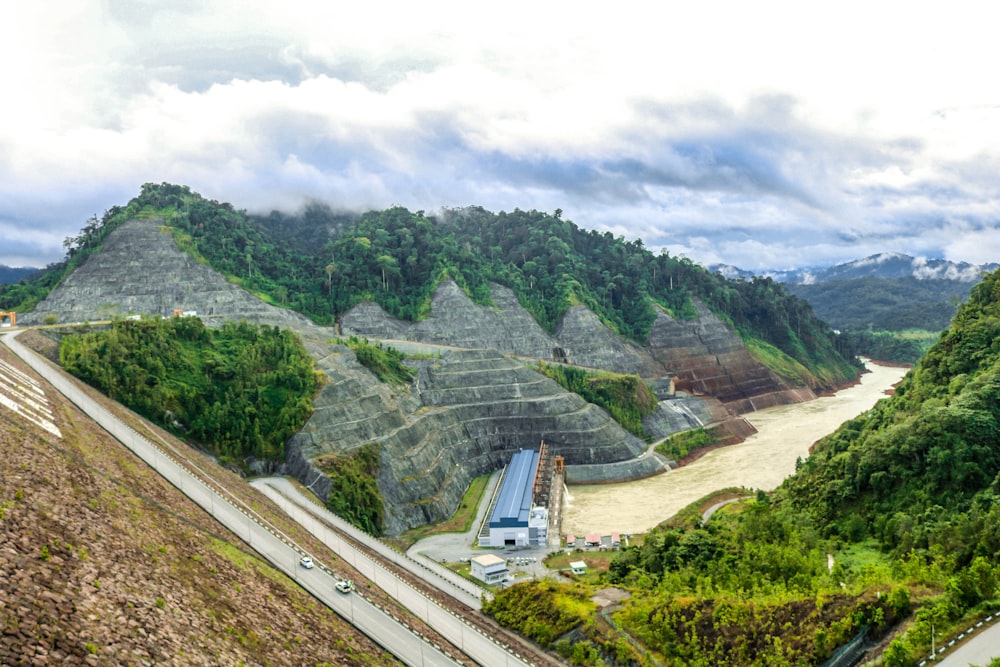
x=877, y=317
x=679, y=445
x=913, y=462
x=883, y=304
x=322, y=263
x=240, y=390
x=354, y=494
x=541, y=610
x=626, y=397
x=384, y=361
x=902, y=347
x=751, y=587
x=905, y=499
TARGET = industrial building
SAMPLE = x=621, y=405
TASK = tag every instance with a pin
x=514, y=520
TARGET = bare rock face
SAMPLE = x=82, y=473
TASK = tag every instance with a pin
x=140, y=270
x=707, y=357
x=464, y=416
x=456, y=321
x=703, y=355
x=588, y=342
x=367, y=319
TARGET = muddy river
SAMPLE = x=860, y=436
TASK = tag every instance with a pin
x=761, y=462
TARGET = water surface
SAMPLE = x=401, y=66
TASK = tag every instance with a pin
x=763, y=461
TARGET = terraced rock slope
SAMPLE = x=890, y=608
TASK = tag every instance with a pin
x=466, y=412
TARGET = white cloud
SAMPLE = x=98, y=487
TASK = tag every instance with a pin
x=762, y=134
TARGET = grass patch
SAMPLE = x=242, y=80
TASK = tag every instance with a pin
x=778, y=361
x=459, y=522
x=385, y=362
x=245, y=561
x=597, y=561
x=626, y=397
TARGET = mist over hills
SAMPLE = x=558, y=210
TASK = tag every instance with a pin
x=883, y=292
x=11, y=274
x=886, y=265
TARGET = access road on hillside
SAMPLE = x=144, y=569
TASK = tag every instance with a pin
x=276, y=548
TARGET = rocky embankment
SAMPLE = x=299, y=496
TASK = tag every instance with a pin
x=102, y=562
x=703, y=355
x=464, y=416
x=706, y=357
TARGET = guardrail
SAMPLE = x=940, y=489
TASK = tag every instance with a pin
x=420, y=652
x=944, y=648
x=451, y=625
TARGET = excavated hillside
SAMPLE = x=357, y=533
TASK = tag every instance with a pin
x=141, y=270
x=466, y=414
x=468, y=410
x=102, y=562
x=703, y=354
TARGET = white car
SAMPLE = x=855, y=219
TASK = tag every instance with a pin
x=306, y=562
x=344, y=586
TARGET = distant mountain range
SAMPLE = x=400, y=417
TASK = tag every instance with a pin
x=887, y=265
x=884, y=292
x=11, y=274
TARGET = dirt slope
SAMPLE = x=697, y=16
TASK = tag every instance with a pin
x=103, y=563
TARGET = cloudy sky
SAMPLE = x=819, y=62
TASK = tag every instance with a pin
x=760, y=134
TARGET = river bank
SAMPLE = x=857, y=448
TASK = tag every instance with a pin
x=784, y=434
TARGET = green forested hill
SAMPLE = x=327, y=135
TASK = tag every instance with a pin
x=885, y=304
x=397, y=258
x=927, y=452
x=890, y=319
x=891, y=528
x=238, y=391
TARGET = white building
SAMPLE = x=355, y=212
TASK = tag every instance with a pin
x=489, y=568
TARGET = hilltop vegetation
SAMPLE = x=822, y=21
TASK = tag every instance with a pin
x=239, y=391
x=883, y=304
x=905, y=498
x=322, y=263
x=902, y=472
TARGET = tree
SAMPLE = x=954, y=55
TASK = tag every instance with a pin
x=329, y=276
x=387, y=264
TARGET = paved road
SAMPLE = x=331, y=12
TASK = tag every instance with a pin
x=296, y=505
x=324, y=525
x=977, y=651
x=276, y=548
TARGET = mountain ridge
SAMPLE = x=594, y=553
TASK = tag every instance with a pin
x=12, y=274
x=170, y=250
x=880, y=265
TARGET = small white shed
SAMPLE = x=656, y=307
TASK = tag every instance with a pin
x=489, y=568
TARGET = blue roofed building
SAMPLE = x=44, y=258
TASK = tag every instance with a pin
x=514, y=520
